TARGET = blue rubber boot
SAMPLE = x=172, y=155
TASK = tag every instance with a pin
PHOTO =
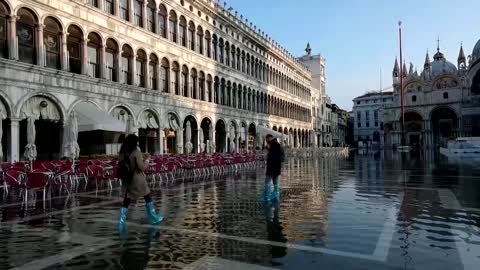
x=152, y=216
x=276, y=193
x=267, y=190
x=122, y=222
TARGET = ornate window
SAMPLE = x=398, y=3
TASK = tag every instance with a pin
x=26, y=36
x=233, y=56
x=162, y=21
x=209, y=88
x=234, y=95
x=126, y=65
x=124, y=10
x=183, y=31
x=215, y=47
x=221, y=51
x=51, y=42
x=74, y=40
x=193, y=84
x=137, y=12
x=140, y=66
x=164, y=75
x=93, y=3
x=227, y=53
x=185, y=81
x=208, y=44
x=191, y=36
x=153, y=71
x=216, y=91
x=201, y=85
x=243, y=61
x=111, y=52
x=173, y=26
x=109, y=7
x=94, y=45
x=200, y=39
x=151, y=16
x=176, y=78
x=252, y=70
x=223, y=92
x=238, y=59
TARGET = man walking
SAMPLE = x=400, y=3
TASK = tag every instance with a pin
x=274, y=167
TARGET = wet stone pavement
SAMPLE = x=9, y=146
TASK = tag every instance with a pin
x=370, y=211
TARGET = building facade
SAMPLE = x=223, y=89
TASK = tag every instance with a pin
x=441, y=103
x=368, y=113
x=187, y=76
x=340, y=136
x=316, y=64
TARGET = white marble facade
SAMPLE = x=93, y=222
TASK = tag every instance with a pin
x=158, y=64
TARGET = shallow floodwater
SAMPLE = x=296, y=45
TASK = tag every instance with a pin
x=369, y=211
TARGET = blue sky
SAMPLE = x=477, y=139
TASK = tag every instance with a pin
x=360, y=37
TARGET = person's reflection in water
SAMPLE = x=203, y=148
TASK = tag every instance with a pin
x=136, y=254
x=275, y=229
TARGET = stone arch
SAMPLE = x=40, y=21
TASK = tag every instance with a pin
x=80, y=100
x=206, y=142
x=33, y=11
x=445, y=124
x=444, y=82
x=48, y=115
x=116, y=111
x=220, y=135
x=49, y=96
x=54, y=17
x=252, y=136
x=115, y=40
x=148, y=132
x=173, y=133
x=232, y=143
x=190, y=137
x=7, y=7
x=6, y=105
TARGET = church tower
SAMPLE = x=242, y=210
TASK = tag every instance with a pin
x=462, y=61
x=427, y=68
x=396, y=73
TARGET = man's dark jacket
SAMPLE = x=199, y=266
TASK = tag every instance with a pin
x=274, y=159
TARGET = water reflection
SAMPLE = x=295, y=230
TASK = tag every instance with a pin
x=275, y=229
x=137, y=255
x=377, y=210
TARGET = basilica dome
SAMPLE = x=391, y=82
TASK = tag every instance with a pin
x=441, y=66
x=476, y=52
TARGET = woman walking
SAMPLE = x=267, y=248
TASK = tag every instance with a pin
x=135, y=182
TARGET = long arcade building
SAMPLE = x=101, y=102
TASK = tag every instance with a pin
x=161, y=66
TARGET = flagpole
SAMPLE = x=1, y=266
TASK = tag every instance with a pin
x=401, y=85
